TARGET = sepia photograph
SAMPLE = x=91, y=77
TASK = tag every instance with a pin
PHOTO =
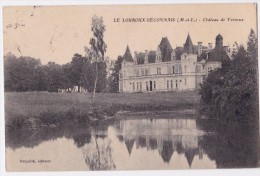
x=131, y=87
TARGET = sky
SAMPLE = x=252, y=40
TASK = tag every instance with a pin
x=56, y=33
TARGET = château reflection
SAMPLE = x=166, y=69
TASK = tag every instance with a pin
x=164, y=135
x=163, y=143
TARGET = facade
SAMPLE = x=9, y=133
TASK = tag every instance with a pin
x=168, y=69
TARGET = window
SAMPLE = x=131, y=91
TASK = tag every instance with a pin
x=158, y=71
x=185, y=81
x=171, y=84
x=147, y=88
x=140, y=85
x=133, y=86
x=176, y=84
x=172, y=69
x=137, y=85
x=167, y=84
x=154, y=85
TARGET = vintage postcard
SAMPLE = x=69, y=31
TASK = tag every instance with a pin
x=131, y=87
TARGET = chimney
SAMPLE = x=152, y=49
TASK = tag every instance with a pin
x=135, y=58
x=199, y=48
x=146, y=57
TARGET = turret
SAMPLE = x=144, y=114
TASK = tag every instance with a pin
x=188, y=46
x=219, y=41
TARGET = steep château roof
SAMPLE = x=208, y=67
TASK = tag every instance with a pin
x=127, y=56
x=140, y=57
x=218, y=54
x=166, y=49
x=151, y=56
x=188, y=46
x=219, y=37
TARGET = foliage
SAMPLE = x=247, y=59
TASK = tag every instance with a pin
x=231, y=144
x=20, y=73
x=55, y=77
x=97, y=48
x=232, y=91
x=114, y=83
x=28, y=74
x=100, y=157
x=252, y=45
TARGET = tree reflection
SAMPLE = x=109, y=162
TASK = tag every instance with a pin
x=82, y=139
x=99, y=154
x=232, y=144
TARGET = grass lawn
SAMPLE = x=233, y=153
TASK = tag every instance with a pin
x=33, y=103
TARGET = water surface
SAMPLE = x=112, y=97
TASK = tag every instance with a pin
x=137, y=143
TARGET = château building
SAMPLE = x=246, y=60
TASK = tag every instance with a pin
x=168, y=69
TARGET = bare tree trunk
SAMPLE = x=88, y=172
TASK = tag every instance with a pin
x=95, y=83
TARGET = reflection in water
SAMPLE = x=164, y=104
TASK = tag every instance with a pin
x=164, y=135
x=98, y=155
x=143, y=144
x=231, y=144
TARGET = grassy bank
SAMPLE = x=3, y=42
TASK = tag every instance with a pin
x=34, y=103
x=41, y=109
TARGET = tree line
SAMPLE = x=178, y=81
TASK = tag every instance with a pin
x=28, y=74
x=90, y=71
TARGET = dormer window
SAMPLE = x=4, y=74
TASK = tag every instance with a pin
x=158, y=58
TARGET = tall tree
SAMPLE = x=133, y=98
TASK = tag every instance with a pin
x=76, y=67
x=114, y=84
x=252, y=45
x=97, y=46
x=67, y=72
x=56, y=77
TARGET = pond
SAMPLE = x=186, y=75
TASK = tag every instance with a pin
x=133, y=144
